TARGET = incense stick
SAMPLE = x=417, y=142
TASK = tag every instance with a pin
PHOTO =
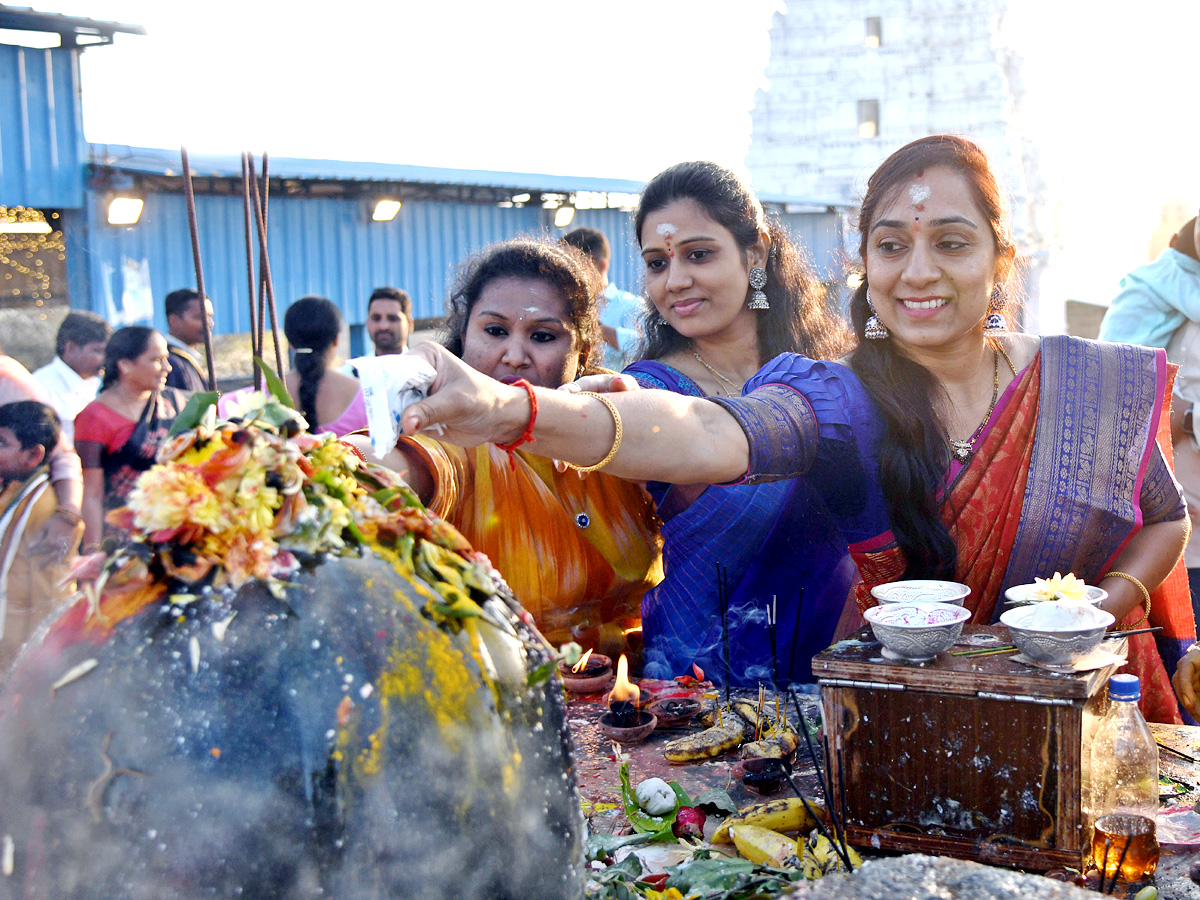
x=839, y=821
x=264, y=262
x=723, y=595
x=1120, y=862
x=802, y=724
x=190, y=197
x=844, y=856
x=795, y=636
x=265, y=271
x=772, y=627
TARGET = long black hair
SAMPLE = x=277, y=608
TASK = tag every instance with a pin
x=312, y=325
x=915, y=453
x=562, y=267
x=799, y=319
x=129, y=342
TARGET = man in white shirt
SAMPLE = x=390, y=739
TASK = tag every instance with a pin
x=72, y=378
x=619, y=309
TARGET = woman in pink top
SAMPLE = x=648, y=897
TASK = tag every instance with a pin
x=330, y=400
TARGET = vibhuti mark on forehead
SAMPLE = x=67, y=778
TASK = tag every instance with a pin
x=667, y=230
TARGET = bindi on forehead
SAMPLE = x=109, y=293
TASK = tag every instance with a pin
x=667, y=230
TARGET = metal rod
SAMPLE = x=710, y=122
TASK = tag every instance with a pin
x=255, y=331
x=264, y=191
x=192, y=226
x=265, y=273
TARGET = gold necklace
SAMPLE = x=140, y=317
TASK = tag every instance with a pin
x=962, y=450
x=733, y=385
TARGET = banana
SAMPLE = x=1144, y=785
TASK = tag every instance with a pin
x=784, y=814
x=708, y=743
x=764, y=846
x=819, y=857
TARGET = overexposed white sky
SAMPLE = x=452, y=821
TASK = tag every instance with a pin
x=623, y=88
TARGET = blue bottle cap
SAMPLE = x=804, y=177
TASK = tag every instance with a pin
x=1124, y=687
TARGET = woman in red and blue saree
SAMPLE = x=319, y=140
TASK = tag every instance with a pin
x=1000, y=456
x=708, y=329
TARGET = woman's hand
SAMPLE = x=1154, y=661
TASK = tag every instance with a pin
x=601, y=384
x=1187, y=681
x=470, y=407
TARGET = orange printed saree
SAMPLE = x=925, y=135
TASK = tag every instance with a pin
x=578, y=553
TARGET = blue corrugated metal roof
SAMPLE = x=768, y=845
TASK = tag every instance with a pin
x=166, y=162
x=41, y=128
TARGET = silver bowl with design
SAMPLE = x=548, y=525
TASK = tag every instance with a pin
x=916, y=632
x=1055, y=633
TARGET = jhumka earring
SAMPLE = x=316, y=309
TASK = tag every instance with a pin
x=758, y=281
x=995, y=323
x=874, y=329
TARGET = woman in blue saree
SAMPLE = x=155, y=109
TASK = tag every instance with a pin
x=719, y=310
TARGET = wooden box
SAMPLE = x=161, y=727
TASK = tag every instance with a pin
x=979, y=758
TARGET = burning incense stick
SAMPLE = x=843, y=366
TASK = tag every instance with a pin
x=795, y=636
x=192, y=226
x=772, y=627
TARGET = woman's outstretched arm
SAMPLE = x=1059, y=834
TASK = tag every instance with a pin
x=667, y=437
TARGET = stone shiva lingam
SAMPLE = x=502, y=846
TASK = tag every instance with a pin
x=292, y=682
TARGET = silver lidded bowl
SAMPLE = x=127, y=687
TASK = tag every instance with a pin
x=916, y=632
x=1057, y=633
x=921, y=591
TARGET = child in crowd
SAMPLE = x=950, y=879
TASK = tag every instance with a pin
x=29, y=588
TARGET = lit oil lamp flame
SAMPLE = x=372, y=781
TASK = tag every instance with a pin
x=582, y=664
x=624, y=690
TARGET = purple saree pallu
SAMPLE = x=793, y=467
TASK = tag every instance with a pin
x=1097, y=475
x=779, y=543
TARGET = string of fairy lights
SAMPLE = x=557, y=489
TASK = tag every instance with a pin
x=25, y=253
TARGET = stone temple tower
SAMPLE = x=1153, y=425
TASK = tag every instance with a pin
x=849, y=81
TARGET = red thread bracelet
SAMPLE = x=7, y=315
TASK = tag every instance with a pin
x=526, y=435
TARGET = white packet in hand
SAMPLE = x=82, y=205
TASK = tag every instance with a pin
x=391, y=384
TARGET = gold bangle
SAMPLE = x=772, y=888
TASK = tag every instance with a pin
x=1141, y=587
x=616, y=416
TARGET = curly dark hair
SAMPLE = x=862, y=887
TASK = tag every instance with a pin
x=562, y=267
x=799, y=319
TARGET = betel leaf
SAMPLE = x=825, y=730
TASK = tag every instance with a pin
x=275, y=384
x=716, y=877
x=659, y=827
x=716, y=800
x=193, y=411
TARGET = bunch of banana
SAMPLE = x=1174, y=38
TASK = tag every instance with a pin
x=726, y=735
x=818, y=856
x=784, y=814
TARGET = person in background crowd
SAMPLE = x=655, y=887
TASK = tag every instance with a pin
x=703, y=234
x=187, y=313
x=578, y=552
x=389, y=320
x=29, y=588
x=118, y=433
x=967, y=469
x=329, y=399
x=619, y=309
x=57, y=539
x=72, y=378
x=1158, y=306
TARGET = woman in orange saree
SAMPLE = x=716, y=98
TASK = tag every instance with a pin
x=579, y=551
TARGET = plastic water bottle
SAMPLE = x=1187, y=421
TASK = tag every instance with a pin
x=1124, y=777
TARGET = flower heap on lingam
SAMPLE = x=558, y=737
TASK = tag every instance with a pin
x=252, y=498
